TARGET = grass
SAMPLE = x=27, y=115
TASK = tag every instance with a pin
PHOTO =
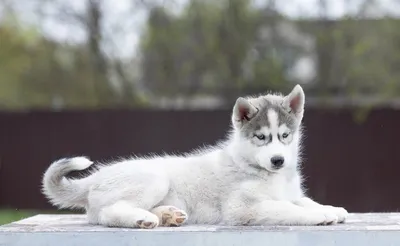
x=10, y=215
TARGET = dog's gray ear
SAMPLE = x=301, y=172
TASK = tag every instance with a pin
x=294, y=102
x=243, y=111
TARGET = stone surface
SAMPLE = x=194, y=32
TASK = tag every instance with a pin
x=360, y=229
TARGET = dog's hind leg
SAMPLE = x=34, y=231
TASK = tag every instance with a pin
x=123, y=214
x=128, y=202
x=170, y=215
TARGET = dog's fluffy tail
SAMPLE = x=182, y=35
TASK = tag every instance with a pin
x=64, y=192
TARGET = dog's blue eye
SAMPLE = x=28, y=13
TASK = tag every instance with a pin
x=285, y=135
x=261, y=136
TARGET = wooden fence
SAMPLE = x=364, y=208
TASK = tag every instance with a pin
x=356, y=165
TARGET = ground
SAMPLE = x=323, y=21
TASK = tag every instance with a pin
x=368, y=229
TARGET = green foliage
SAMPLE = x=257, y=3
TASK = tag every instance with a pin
x=358, y=57
x=205, y=48
x=40, y=73
x=225, y=48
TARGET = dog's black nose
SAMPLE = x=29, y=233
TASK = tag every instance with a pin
x=277, y=161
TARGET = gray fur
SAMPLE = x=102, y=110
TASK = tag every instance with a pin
x=232, y=183
x=261, y=118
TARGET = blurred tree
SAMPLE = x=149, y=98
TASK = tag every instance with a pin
x=39, y=72
x=211, y=47
x=354, y=59
x=223, y=48
x=357, y=55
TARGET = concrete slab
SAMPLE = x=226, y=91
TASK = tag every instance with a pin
x=361, y=229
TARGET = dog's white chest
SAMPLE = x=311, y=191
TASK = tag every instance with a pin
x=276, y=188
x=282, y=188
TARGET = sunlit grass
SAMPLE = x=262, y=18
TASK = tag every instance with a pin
x=11, y=215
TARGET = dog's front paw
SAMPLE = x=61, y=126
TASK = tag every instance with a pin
x=340, y=212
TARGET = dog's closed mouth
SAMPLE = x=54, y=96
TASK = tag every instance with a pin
x=261, y=168
x=258, y=167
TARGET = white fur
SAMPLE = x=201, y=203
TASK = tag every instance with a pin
x=217, y=185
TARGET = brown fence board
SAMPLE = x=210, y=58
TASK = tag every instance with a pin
x=346, y=163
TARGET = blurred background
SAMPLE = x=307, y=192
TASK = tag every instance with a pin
x=110, y=79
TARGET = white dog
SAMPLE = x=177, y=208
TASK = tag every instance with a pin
x=251, y=178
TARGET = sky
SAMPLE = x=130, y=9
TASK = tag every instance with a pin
x=124, y=39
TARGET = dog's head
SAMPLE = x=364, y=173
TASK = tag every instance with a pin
x=267, y=129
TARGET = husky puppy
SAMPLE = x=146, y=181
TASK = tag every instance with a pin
x=250, y=178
